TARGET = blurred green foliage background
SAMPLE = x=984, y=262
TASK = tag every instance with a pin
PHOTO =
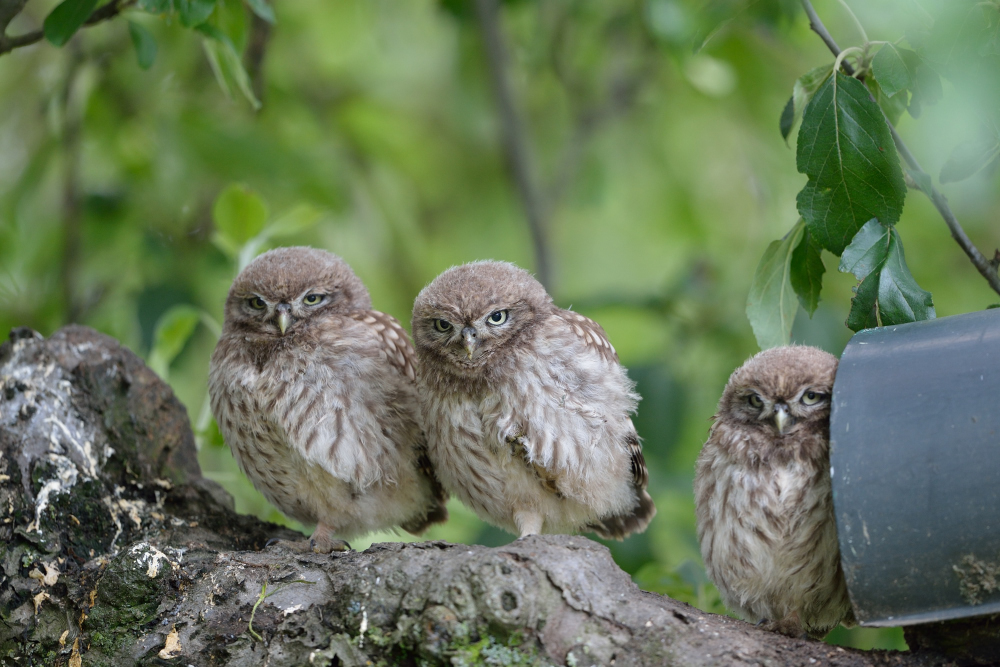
x=661, y=171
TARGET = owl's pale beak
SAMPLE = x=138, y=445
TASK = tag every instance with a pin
x=781, y=418
x=469, y=338
x=284, y=317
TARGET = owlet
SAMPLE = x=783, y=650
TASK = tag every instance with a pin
x=315, y=394
x=526, y=407
x=763, y=499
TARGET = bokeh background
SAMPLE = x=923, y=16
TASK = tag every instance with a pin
x=658, y=170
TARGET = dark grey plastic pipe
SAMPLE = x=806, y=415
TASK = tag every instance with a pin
x=915, y=461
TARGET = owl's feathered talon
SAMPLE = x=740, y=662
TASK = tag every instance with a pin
x=790, y=626
x=328, y=546
x=323, y=541
x=297, y=546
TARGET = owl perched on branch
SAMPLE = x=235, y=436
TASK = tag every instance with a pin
x=315, y=395
x=526, y=407
x=763, y=497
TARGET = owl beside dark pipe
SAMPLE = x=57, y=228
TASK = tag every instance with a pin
x=763, y=497
x=315, y=394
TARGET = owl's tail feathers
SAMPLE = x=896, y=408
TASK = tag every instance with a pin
x=621, y=526
x=436, y=513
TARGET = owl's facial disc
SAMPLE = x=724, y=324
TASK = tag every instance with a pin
x=784, y=413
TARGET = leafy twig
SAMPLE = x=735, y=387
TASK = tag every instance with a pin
x=922, y=179
x=514, y=137
x=102, y=13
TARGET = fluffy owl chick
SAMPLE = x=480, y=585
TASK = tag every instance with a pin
x=526, y=407
x=314, y=392
x=763, y=498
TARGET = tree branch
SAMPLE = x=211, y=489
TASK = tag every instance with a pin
x=923, y=180
x=514, y=137
x=8, y=10
x=117, y=551
x=103, y=13
x=260, y=36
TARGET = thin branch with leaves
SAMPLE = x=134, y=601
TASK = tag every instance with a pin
x=919, y=176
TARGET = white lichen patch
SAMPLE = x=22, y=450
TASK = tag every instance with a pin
x=291, y=610
x=133, y=509
x=64, y=479
x=39, y=398
x=151, y=558
x=115, y=514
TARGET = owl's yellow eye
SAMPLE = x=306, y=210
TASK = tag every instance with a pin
x=312, y=299
x=755, y=401
x=442, y=325
x=257, y=303
x=811, y=397
x=497, y=317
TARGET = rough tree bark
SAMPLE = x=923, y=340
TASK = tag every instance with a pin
x=116, y=551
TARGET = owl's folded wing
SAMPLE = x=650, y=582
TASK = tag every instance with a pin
x=353, y=415
x=574, y=421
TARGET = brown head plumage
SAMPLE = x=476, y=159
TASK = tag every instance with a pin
x=778, y=396
x=474, y=311
x=288, y=290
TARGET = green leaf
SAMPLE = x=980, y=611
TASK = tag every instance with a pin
x=194, y=12
x=807, y=272
x=865, y=252
x=145, y=45
x=967, y=158
x=803, y=90
x=226, y=63
x=771, y=303
x=239, y=214
x=892, y=106
x=298, y=219
x=262, y=9
x=787, y=119
x=891, y=70
x=926, y=89
x=156, y=6
x=173, y=330
x=888, y=293
x=846, y=150
x=63, y=21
